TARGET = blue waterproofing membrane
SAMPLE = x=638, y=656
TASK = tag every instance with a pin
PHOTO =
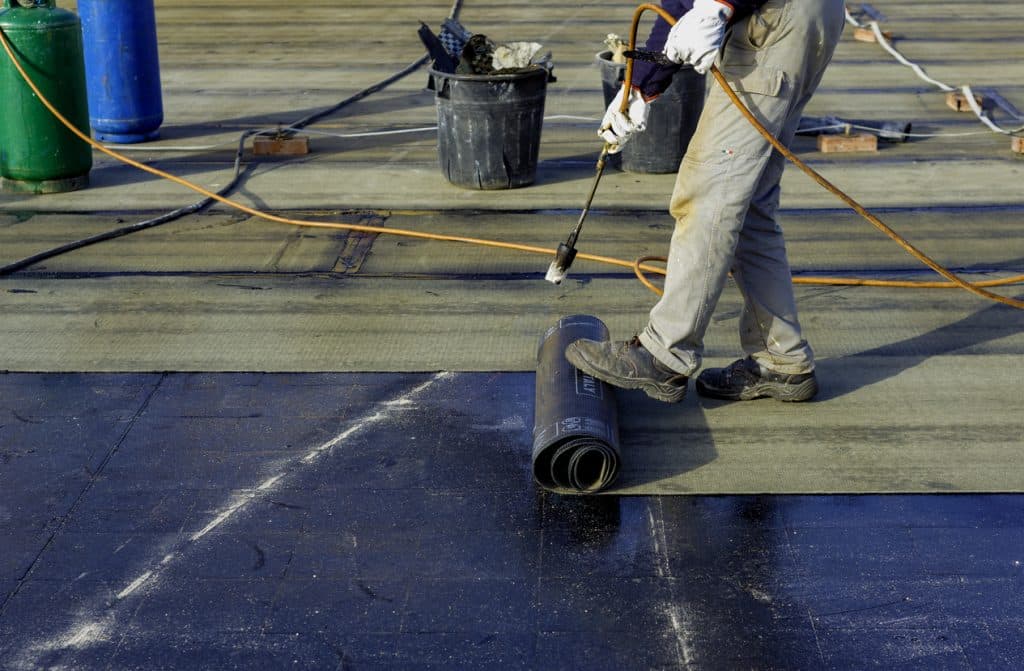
x=366, y=521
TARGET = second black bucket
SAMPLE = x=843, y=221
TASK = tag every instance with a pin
x=671, y=118
x=488, y=127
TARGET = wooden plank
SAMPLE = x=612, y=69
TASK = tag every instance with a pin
x=297, y=145
x=868, y=35
x=843, y=143
x=957, y=101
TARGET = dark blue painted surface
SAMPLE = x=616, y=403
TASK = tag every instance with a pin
x=414, y=538
x=122, y=69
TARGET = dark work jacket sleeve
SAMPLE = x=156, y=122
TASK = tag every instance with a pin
x=652, y=79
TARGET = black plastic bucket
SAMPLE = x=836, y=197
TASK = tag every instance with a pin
x=671, y=118
x=488, y=127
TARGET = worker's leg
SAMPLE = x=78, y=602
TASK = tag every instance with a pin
x=769, y=329
x=773, y=60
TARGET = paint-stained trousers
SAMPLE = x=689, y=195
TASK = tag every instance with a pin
x=727, y=192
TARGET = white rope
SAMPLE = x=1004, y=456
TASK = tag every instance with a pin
x=571, y=117
x=148, y=147
x=397, y=131
x=819, y=129
x=875, y=129
x=375, y=133
x=980, y=113
x=919, y=71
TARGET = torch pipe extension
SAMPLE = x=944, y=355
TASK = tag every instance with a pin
x=599, y=170
x=566, y=253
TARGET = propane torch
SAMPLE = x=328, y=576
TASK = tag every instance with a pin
x=566, y=252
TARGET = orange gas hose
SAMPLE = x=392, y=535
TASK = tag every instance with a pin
x=637, y=266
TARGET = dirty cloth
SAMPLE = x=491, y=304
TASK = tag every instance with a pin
x=481, y=56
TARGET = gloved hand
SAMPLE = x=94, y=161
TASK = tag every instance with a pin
x=697, y=36
x=616, y=127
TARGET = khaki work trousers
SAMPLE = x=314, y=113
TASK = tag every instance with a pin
x=727, y=192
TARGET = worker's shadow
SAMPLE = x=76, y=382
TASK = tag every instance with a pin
x=844, y=374
x=660, y=441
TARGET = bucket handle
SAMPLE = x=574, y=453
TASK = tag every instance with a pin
x=442, y=86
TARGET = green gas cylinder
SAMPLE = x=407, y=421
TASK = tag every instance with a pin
x=37, y=153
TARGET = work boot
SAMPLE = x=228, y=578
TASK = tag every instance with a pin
x=745, y=380
x=628, y=365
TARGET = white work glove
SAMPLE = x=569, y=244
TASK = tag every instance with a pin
x=697, y=36
x=616, y=127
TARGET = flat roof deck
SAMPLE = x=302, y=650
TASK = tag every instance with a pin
x=233, y=443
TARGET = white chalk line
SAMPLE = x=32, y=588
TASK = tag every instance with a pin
x=134, y=585
x=679, y=619
x=91, y=630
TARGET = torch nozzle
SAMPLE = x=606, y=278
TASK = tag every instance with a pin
x=559, y=268
x=566, y=252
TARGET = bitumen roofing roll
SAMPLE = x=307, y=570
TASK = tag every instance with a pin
x=575, y=427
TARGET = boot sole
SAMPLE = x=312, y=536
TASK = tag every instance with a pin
x=661, y=392
x=787, y=393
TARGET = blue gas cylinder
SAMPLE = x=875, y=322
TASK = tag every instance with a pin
x=122, y=69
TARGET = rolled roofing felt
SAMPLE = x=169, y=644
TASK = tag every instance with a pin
x=575, y=426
